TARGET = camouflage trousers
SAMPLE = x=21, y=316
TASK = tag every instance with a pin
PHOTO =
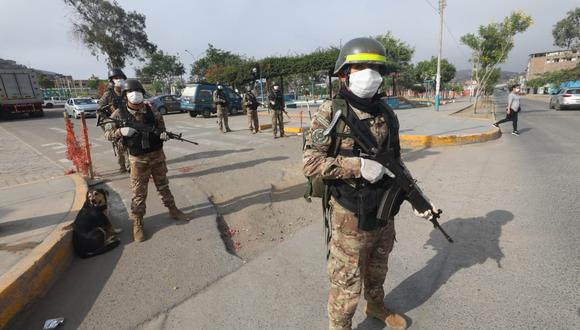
x=253, y=120
x=142, y=168
x=222, y=114
x=122, y=156
x=278, y=122
x=357, y=259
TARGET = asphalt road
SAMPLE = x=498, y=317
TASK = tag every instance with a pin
x=512, y=206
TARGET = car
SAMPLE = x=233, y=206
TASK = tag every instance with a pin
x=75, y=106
x=54, y=101
x=198, y=100
x=165, y=103
x=566, y=98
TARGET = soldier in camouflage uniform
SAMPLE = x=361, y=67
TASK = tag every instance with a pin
x=251, y=105
x=145, y=146
x=221, y=103
x=360, y=244
x=276, y=99
x=108, y=103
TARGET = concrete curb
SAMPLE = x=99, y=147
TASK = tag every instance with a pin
x=429, y=141
x=32, y=276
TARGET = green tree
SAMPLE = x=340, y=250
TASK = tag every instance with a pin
x=491, y=47
x=428, y=69
x=213, y=59
x=93, y=83
x=162, y=68
x=567, y=31
x=399, y=53
x=106, y=28
x=45, y=82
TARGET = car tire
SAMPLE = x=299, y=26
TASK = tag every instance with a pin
x=206, y=113
x=192, y=114
x=558, y=106
x=163, y=110
x=49, y=105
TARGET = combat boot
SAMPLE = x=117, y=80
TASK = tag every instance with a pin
x=176, y=214
x=391, y=319
x=138, y=233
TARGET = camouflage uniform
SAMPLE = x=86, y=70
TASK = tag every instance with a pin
x=149, y=164
x=116, y=101
x=222, y=110
x=251, y=106
x=277, y=104
x=357, y=258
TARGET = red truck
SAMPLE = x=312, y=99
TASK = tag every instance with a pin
x=20, y=93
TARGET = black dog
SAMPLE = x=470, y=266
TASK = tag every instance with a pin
x=93, y=233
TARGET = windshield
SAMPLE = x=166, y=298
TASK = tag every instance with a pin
x=83, y=101
x=189, y=91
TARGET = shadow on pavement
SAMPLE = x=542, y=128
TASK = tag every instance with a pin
x=477, y=241
x=204, y=155
x=411, y=155
x=524, y=130
x=229, y=167
x=75, y=292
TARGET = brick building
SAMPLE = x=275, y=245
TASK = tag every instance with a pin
x=539, y=63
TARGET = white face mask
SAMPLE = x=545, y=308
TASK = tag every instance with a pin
x=365, y=83
x=276, y=88
x=119, y=82
x=135, y=97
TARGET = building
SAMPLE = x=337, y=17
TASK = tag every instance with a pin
x=540, y=63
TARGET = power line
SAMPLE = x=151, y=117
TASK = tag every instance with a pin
x=448, y=31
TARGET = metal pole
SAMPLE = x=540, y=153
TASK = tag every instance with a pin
x=438, y=79
x=87, y=144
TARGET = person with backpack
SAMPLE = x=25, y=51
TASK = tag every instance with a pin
x=359, y=244
x=512, y=110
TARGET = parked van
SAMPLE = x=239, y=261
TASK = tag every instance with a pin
x=197, y=99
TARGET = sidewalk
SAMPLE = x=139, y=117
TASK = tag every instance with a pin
x=35, y=197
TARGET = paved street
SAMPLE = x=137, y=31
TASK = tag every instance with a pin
x=511, y=205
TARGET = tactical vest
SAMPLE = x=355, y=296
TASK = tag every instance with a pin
x=147, y=139
x=278, y=99
x=358, y=195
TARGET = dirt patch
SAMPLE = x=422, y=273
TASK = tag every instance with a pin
x=483, y=113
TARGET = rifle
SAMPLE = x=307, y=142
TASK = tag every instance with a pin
x=145, y=130
x=286, y=113
x=403, y=182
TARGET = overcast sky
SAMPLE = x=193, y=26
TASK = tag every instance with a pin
x=37, y=33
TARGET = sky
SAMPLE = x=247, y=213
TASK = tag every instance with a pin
x=37, y=33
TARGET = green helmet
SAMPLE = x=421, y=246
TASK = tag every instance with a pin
x=116, y=72
x=133, y=85
x=362, y=50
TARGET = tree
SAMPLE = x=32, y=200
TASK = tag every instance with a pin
x=428, y=69
x=567, y=31
x=106, y=28
x=214, y=58
x=45, y=82
x=161, y=68
x=491, y=47
x=399, y=53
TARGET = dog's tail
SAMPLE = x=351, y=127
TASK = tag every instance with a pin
x=102, y=250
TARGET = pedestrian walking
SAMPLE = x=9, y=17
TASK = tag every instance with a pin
x=276, y=99
x=359, y=244
x=512, y=110
x=142, y=131
x=221, y=103
x=110, y=101
x=251, y=105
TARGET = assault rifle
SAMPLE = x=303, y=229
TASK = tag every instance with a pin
x=403, y=181
x=145, y=130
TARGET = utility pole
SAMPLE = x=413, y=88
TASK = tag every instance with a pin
x=438, y=78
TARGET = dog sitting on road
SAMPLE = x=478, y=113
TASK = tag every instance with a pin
x=93, y=233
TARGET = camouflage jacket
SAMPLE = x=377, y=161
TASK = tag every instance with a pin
x=346, y=165
x=110, y=97
x=112, y=131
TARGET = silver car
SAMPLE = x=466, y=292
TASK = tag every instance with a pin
x=566, y=98
x=75, y=106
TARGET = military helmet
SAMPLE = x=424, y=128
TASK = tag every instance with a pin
x=133, y=85
x=116, y=72
x=362, y=50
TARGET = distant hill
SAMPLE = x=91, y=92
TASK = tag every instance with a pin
x=464, y=75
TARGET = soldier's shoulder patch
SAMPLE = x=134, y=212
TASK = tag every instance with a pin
x=318, y=136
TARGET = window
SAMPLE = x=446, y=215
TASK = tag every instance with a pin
x=205, y=95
